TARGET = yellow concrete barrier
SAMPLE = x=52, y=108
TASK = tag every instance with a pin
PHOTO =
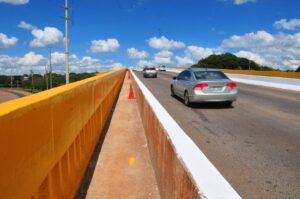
x=173, y=180
x=254, y=72
x=264, y=73
x=46, y=139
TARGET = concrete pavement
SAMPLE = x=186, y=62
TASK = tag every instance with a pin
x=7, y=94
x=124, y=169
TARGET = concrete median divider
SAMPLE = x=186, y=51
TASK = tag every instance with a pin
x=181, y=169
x=46, y=139
x=273, y=79
x=294, y=75
x=283, y=74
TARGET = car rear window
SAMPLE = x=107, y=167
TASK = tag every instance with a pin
x=210, y=75
x=150, y=68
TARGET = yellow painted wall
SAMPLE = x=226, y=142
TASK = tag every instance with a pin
x=264, y=73
x=255, y=72
x=46, y=139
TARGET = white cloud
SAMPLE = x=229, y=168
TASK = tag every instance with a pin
x=84, y=64
x=262, y=38
x=279, y=50
x=26, y=26
x=287, y=25
x=58, y=57
x=104, y=46
x=86, y=60
x=36, y=62
x=193, y=54
x=30, y=59
x=240, y=2
x=116, y=66
x=135, y=54
x=292, y=63
x=20, y=65
x=7, y=62
x=15, y=2
x=47, y=37
x=164, y=43
x=184, y=61
x=143, y=63
x=163, y=57
x=6, y=42
x=196, y=53
x=252, y=56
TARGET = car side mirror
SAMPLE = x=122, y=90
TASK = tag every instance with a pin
x=174, y=78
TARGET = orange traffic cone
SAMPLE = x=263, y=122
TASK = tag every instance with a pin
x=131, y=94
x=129, y=75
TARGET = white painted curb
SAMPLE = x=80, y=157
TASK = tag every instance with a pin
x=210, y=182
x=272, y=82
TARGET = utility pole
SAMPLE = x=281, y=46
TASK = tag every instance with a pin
x=67, y=41
x=46, y=76
x=50, y=68
x=11, y=79
x=249, y=64
x=32, y=83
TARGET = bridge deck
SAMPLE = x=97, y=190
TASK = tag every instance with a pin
x=123, y=168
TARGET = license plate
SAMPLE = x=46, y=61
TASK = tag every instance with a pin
x=216, y=89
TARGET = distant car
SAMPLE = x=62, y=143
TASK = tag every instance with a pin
x=196, y=85
x=150, y=72
x=162, y=68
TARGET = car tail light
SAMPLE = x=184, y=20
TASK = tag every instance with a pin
x=231, y=85
x=200, y=86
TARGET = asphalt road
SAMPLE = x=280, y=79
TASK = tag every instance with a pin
x=6, y=94
x=255, y=144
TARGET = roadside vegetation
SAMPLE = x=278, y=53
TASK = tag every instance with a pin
x=230, y=61
x=36, y=82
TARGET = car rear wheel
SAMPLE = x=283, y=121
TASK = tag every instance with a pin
x=172, y=91
x=186, y=99
x=228, y=104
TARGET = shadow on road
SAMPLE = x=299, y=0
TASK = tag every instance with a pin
x=207, y=105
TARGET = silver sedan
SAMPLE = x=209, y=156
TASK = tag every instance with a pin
x=204, y=85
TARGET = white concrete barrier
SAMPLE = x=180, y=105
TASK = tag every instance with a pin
x=273, y=82
x=182, y=170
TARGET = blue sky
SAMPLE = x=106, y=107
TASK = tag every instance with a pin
x=112, y=33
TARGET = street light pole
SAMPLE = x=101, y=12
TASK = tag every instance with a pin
x=50, y=66
x=32, y=82
x=46, y=76
x=11, y=79
x=67, y=41
x=249, y=64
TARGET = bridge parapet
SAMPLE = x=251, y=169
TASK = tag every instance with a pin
x=46, y=139
x=181, y=168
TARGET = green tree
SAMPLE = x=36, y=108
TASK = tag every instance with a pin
x=39, y=81
x=4, y=81
x=229, y=61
